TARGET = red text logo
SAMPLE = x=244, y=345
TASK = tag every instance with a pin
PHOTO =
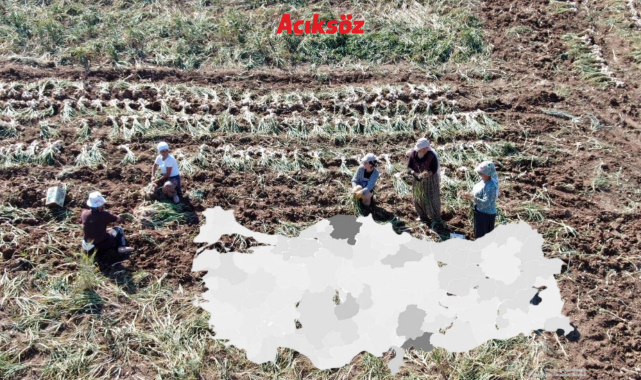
x=317, y=26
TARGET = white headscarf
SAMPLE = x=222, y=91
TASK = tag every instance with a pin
x=162, y=146
x=425, y=143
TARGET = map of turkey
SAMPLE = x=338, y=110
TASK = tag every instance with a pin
x=393, y=290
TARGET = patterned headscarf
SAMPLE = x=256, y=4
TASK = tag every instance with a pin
x=488, y=168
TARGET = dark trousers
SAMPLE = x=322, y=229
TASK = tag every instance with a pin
x=119, y=236
x=483, y=223
x=114, y=239
x=176, y=181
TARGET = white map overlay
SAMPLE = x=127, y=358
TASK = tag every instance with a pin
x=392, y=291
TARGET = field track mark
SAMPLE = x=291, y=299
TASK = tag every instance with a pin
x=14, y=72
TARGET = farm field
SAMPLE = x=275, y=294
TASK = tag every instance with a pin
x=272, y=126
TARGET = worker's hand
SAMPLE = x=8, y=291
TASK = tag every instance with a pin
x=466, y=195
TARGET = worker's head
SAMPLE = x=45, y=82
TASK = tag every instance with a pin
x=369, y=161
x=422, y=145
x=163, y=149
x=486, y=170
x=96, y=200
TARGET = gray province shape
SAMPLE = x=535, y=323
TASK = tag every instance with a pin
x=345, y=227
x=422, y=342
x=404, y=255
x=347, y=309
x=365, y=298
x=410, y=322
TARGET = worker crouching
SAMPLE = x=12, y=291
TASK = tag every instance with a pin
x=364, y=181
x=170, y=178
x=94, y=223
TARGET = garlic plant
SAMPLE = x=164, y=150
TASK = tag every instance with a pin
x=84, y=132
x=400, y=186
x=18, y=154
x=265, y=157
x=129, y=158
x=115, y=129
x=268, y=125
x=318, y=164
x=343, y=169
x=8, y=129
x=48, y=155
x=67, y=111
x=233, y=163
x=90, y=156
x=187, y=168
x=203, y=158
x=227, y=122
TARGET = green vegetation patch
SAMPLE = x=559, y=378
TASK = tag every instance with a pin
x=196, y=33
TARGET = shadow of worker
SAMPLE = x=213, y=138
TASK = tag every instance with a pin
x=382, y=215
x=114, y=265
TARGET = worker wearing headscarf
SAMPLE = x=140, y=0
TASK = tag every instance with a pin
x=170, y=179
x=484, y=195
x=94, y=224
x=365, y=179
x=423, y=165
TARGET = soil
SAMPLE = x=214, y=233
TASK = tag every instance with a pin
x=600, y=282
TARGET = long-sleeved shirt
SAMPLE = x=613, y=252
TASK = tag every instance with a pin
x=485, y=196
x=360, y=180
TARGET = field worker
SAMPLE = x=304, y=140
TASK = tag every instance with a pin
x=170, y=179
x=94, y=224
x=423, y=165
x=365, y=179
x=484, y=196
